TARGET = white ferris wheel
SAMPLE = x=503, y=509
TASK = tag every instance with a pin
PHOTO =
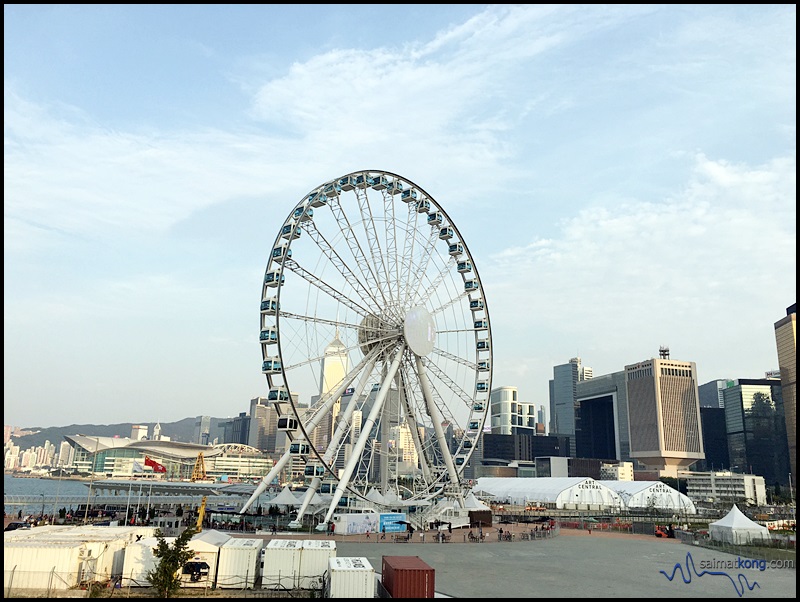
x=376, y=344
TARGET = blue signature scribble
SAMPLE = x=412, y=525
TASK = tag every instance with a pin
x=739, y=584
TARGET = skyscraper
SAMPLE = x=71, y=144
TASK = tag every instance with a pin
x=335, y=365
x=756, y=428
x=563, y=398
x=664, y=414
x=786, y=341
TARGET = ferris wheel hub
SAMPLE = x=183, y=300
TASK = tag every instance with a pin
x=419, y=330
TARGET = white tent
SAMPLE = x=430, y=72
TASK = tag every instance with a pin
x=736, y=528
x=285, y=498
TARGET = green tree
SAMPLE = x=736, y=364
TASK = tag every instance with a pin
x=165, y=578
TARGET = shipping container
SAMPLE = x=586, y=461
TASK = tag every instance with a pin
x=407, y=577
x=139, y=560
x=239, y=563
x=314, y=561
x=201, y=569
x=42, y=565
x=280, y=564
x=350, y=577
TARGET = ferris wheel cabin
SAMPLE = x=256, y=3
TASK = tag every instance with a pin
x=278, y=394
x=316, y=199
x=464, y=267
x=347, y=183
x=435, y=218
x=271, y=365
x=281, y=252
x=482, y=345
x=299, y=448
x=446, y=233
x=456, y=249
x=409, y=195
x=288, y=423
x=476, y=304
x=269, y=336
x=394, y=187
x=303, y=213
x=269, y=307
x=471, y=285
x=274, y=278
x=379, y=182
x=289, y=232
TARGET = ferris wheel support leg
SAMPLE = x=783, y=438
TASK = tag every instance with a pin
x=436, y=417
x=412, y=425
x=358, y=449
x=341, y=429
x=276, y=469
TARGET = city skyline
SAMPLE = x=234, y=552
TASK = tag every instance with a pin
x=600, y=162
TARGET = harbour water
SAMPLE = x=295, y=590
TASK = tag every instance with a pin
x=50, y=489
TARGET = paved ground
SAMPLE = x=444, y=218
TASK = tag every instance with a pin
x=576, y=564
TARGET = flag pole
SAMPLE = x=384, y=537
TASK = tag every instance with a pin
x=128, y=505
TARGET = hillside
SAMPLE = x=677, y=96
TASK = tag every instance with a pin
x=182, y=430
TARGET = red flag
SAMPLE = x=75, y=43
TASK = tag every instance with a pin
x=154, y=465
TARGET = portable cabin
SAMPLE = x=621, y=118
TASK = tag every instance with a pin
x=239, y=563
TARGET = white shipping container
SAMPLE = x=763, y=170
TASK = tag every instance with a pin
x=139, y=560
x=314, y=561
x=239, y=563
x=280, y=568
x=350, y=577
x=206, y=546
x=41, y=565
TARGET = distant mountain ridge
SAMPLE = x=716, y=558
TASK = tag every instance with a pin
x=182, y=430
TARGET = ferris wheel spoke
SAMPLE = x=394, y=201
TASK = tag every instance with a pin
x=406, y=261
x=378, y=259
x=447, y=304
x=391, y=249
x=455, y=358
x=334, y=294
x=446, y=270
x=341, y=265
x=348, y=233
x=450, y=383
x=416, y=293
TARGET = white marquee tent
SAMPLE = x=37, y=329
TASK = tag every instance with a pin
x=571, y=493
x=736, y=528
x=644, y=495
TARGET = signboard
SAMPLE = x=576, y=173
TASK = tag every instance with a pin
x=389, y=522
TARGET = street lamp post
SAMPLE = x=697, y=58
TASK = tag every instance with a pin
x=42, y=506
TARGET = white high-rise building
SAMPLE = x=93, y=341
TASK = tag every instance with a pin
x=335, y=366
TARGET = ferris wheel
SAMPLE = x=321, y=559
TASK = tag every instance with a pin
x=376, y=343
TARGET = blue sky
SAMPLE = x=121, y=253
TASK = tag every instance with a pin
x=624, y=177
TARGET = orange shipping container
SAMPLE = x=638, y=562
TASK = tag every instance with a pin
x=408, y=577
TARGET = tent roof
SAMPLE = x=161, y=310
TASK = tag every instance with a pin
x=285, y=498
x=736, y=519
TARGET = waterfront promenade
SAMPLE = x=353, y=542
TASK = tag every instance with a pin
x=573, y=564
